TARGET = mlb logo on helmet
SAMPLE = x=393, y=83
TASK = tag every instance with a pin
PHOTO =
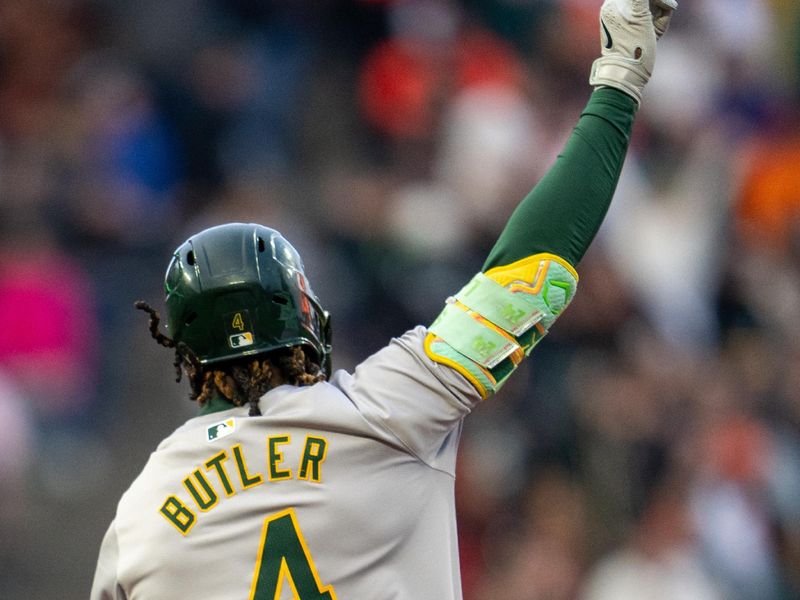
x=220, y=430
x=239, y=340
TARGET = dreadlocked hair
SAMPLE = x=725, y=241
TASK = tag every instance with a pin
x=241, y=381
x=245, y=381
x=159, y=337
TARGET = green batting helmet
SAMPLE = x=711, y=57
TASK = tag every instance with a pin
x=240, y=290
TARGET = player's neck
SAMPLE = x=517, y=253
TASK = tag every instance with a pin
x=214, y=404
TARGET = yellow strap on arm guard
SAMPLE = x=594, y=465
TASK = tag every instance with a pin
x=489, y=326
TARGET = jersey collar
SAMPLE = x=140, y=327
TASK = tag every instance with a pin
x=215, y=404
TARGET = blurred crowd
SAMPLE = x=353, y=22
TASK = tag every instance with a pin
x=649, y=449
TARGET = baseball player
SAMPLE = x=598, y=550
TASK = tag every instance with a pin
x=298, y=482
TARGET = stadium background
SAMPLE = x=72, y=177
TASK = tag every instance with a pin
x=652, y=442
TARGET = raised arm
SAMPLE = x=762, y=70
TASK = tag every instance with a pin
x=529, y=277
x=564, y=211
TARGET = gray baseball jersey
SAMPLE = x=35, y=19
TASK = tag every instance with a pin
x=339, y=490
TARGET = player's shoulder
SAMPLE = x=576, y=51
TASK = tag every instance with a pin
x=404, y=364
x=408, y=347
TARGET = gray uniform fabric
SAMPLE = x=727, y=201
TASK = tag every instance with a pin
x=377, y=518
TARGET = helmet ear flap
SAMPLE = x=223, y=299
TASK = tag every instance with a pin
x=326, y=343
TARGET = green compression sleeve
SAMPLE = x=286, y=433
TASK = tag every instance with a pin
x=562, y=214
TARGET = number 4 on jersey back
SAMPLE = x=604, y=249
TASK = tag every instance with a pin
x=284, y=556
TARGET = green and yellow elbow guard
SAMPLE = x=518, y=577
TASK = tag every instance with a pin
x=496, y=320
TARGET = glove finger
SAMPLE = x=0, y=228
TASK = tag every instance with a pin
x=661, y=15
x=639, y=8
x=666, y=4
x=629, y=10
x=661, y=23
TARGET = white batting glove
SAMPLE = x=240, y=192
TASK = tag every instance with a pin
x=628, y=32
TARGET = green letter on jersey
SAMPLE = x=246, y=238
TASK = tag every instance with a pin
x=313, y=457
x=176, y=513
x=275, y=458
x=284, y=556
x=205, y=501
